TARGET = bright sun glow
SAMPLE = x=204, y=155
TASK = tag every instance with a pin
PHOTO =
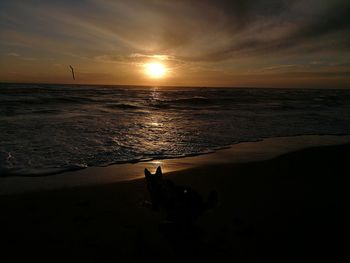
x=155, y=70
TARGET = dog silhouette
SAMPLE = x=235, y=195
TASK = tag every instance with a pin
x=181, y=204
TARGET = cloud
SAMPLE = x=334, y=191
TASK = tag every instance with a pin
x=268, y=27
x=157, y=57
x=138, y=59
x=225, y=35
x=16, y=55
x=13, y=54
x=190, y=30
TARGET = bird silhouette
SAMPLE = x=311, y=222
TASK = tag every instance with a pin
x=72, y=69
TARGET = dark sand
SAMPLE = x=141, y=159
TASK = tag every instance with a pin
x=293, y=208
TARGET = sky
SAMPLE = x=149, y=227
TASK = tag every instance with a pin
x=242, y=43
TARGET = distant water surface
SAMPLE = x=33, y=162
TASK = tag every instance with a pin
x=51, y=128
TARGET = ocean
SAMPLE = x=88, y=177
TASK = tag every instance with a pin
x=47, y=129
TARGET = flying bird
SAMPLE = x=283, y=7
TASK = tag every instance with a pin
x=72, y=69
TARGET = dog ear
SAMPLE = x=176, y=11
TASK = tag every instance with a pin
x=159, y=172
x=147, y=173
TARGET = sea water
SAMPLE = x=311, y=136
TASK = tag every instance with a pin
x=47, y=129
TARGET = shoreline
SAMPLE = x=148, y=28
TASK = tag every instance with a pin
x=290, y=207
x=242, y=152
x=57, y=171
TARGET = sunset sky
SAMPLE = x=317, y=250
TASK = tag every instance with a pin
x=254, y=43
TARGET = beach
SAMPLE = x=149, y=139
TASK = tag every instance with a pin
x=174, y=131
x=281, y=199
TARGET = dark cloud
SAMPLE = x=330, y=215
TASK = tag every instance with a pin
x=333, y=19
x=193, y=30
x=188, y=34
x=299, y=25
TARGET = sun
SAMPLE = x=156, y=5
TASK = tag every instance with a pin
x=155, y=70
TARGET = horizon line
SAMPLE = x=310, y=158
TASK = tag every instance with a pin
x=175, y=86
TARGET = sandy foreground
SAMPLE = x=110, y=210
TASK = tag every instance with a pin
x=277, y=202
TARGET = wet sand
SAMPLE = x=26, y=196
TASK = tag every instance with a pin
x=238, y=153
x=286, y=208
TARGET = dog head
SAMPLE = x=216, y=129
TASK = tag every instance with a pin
x=154, y=179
